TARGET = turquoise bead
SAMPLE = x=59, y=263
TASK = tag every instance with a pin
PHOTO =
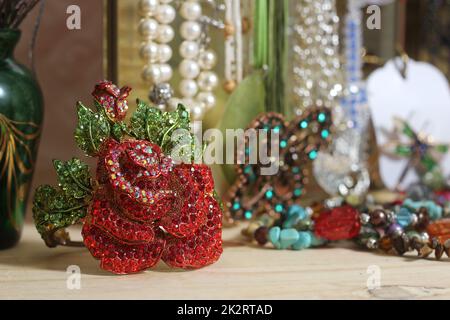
x=295, y=215
x=296, y=209
x=434, y=210
x=288, y=237
x=279, y=208
x=404, y=217
x=304, y=241
x=322, y=117
x=291, y=221
x=274, y=235
x=313, y=155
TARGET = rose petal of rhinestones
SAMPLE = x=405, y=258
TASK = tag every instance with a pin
x=189, y=212
x=204, y=247
x=122, y=174
x=106, y=218
x=119, y=257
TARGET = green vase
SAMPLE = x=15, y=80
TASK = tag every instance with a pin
x=21, y=113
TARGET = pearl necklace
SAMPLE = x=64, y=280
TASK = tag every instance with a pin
x=198, y=80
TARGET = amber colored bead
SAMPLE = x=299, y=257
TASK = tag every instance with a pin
x=229, y=86
x=229, y=29
x=385, y=243
x=423, y=219
x=261, y=235
x=378, y=218
x=246, y=25
x=440, y=230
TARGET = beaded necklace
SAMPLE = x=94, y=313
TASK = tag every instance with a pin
x=198, y=60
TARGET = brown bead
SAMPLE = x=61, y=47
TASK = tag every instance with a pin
x=246, y=25
x=261, y=235
x=251, y=228
x=439, y=251
x=416, y=244
x=401, y=244
x=447, y=247
x=229, y=86
x=423, y=219
x=385, y=243
x=425, y=251
x=378, y=218
x=434, y=242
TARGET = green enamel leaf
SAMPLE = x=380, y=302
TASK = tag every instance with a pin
x=53, y=209
x=246, y=102
x=74, y=178
x=93, y=128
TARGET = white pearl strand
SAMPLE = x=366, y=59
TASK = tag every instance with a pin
x=156, y=32
x=198, y=81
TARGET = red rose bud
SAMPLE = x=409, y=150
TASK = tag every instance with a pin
x=112, y=99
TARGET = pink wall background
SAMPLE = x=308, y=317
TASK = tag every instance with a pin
x=68, y=64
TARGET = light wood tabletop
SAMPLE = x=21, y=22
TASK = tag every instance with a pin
x=33, y=271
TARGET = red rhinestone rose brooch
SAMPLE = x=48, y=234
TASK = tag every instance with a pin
x=144, y=203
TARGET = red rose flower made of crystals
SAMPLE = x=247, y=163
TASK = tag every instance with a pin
x=148, y=208
x=142, y=207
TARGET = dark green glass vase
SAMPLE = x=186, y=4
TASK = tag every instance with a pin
x=21, y=112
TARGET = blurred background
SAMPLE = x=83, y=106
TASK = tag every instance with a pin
x=69, y=62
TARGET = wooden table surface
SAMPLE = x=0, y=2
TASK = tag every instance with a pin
x=31, y=270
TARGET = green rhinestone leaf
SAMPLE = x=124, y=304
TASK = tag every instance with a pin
x=53, y=210
x=93, y=128
x=146, y=122
x=118, y=130
x=151, y=124
x=74, y=178
x=171, y=121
